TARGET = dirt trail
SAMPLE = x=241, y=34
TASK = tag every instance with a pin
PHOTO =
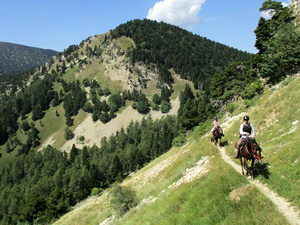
x=291, y=213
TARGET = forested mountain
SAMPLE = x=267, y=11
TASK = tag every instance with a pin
x=141, y=65
x=193, y=57
x=15, y=58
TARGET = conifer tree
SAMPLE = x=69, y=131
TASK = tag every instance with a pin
x=189, y=118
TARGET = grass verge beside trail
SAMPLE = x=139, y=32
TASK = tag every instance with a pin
x=205, y=200
x=276, y=120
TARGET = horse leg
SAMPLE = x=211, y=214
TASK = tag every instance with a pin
x=246, y=166
x=241, y=161
x=252, y=167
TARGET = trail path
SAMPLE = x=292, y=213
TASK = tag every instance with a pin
x=291, y=213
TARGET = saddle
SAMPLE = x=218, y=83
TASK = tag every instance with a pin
x=249, y=142
x=218, y=130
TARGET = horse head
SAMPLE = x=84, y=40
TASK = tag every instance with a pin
x=256, y=152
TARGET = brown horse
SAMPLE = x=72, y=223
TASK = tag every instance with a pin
x=249, y=151
x=218, y=133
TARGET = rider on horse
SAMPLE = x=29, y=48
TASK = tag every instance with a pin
x=216, y=126
x=246, y=131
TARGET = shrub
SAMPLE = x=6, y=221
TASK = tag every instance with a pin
x=134, y=105
x=179, y=141
x=96, y=191
x=255, y=88
x=68, y=134
x=165, y=106
x=88, y=107
x=123, y=199
x=248, y=103
x=203, y=128
x=230, y=107
x=25, y=126
x=155, y=106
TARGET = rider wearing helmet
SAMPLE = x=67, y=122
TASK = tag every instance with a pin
x=246, y=130
x=216, y=125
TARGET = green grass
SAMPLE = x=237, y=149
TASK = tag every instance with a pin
x=272, y=117
x=51, y=126
x=203, y=201
x=125, y=42
x=93, y=71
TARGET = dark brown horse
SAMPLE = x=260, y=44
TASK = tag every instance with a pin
x=250, y=151
x=218, y=133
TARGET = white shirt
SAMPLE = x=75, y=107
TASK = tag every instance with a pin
x=243, y=134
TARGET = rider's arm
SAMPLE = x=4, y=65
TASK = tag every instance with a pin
x=241, y=130
x=253, y=130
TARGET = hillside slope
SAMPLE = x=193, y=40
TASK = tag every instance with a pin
x=193, y=185
x=16, y=58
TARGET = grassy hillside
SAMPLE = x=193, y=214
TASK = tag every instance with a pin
x=276, y=119
x=168, y=190
x=16, y=58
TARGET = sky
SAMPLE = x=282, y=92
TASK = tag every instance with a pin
x=57, y=24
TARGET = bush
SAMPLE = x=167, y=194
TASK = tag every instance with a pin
x=255, y=88
x=155, y=106
x=230, y=107
x=143, y=106
x=81, y=138
x=179, y=141
x=88, y=107
x=203, y=128
x=68, y=134
x=134, y=105
x=156, y=99
x=25, y=126
x=165, y=106
x=248, y=103
x=123, y=199
x=96, y=191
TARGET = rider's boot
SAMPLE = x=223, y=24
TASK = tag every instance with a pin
x=237, y=154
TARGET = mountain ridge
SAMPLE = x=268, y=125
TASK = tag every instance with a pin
x=17, y=58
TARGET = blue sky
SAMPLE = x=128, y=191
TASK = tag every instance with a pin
x=56, y=24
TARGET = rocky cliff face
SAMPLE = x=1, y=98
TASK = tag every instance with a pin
x=295, y=6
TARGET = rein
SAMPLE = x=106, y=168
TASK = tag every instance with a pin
x=257, y=157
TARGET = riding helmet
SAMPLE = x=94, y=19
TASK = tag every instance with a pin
x=246, y=118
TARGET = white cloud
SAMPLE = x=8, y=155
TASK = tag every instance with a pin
x=286, y=4
x=183, y=13
x=268, y=14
